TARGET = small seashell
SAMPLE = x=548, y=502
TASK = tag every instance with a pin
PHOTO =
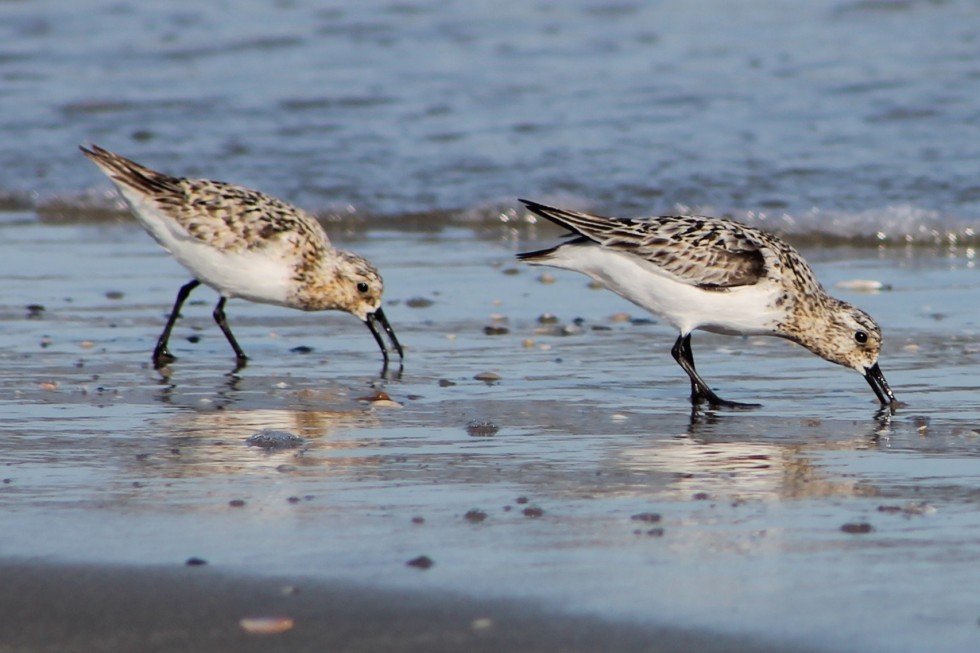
x=380, y=399
x=862, y=285
x=379, y=395
x=266, y=625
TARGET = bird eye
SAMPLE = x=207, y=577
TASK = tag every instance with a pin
x=861, y=337
x=363, y=287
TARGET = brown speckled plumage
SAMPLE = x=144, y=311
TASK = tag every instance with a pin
x=659, y=262
x=225, y=216
x=247, y=244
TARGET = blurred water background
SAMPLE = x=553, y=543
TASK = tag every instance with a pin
x=846, y=118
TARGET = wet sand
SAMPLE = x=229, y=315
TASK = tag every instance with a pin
x=88, y=608
x=575, y=490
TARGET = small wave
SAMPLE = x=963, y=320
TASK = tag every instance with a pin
x=894, y=225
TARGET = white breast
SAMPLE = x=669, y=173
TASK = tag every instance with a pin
x=260, y=275
x=742, y=310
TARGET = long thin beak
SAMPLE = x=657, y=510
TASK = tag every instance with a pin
x=372, y=322
x=877, y=382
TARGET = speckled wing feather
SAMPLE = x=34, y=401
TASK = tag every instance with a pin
x=225, y=216
x=705, y=252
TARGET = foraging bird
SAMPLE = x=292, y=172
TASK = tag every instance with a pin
x=246, y=244
x=718, y=275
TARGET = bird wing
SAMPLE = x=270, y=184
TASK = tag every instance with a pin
x=225, y=216
x=700, y=251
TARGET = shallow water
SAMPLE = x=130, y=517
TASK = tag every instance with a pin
x=108, y=461
x=412, y=127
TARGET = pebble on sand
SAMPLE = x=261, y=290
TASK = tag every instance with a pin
x=475, y=516
x=422, y=562
x=646, y=517
x=269, y=439
x=484, y=429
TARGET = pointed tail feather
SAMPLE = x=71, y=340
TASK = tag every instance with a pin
x=538, y=256
x=592, y=227
x=128, y=172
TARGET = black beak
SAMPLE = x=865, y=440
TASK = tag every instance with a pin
x=372, y=322
x=877, y=382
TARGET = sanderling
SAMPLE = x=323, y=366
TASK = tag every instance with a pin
x=246, y=244
x=717, y=275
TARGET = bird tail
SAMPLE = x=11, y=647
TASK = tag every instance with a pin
x=540, y=256
x=581, y=224
x=128, y=172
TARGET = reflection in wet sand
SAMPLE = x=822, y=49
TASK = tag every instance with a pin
x=705, y=462
x=213, y=442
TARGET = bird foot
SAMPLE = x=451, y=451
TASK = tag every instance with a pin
x=162, y=358
x=714, y=401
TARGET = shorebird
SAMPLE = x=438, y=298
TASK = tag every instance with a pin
x=720, y=276
x=245, y=244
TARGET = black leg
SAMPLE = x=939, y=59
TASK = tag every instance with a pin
x=219, y=317
x=161, y=355
x=681, y=351
x=684, y=355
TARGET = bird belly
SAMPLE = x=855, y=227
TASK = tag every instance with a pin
x=261, y=275
x=739, y=310
x=248, y=274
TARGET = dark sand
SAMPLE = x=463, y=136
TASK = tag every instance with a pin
x=63, y=609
